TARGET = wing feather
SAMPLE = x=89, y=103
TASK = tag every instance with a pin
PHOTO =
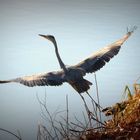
x=48, y=79
x=97, y=60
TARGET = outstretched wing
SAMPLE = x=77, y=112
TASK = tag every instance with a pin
x=48, y=79
x=99, y=58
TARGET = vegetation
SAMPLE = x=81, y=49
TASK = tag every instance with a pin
x=124, y=123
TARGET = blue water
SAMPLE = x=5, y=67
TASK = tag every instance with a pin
x=80, y=27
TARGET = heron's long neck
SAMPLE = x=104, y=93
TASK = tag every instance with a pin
x=62, y=65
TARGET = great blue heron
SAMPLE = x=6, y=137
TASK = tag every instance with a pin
x=73, y=74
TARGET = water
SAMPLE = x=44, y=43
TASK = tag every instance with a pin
x=80, y=27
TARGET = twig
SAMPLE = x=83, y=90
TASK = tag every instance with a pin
x=63, y=130
x=18, y=137
x=39, y=132
x=79, y=122
x=97, y=93
x=77, y=125
x=98, y=121
x=84, y=117
x=87, y=109
x=50, y=117
x=67, y=122
x=19, y=133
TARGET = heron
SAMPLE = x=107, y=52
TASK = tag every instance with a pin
x=74, y=75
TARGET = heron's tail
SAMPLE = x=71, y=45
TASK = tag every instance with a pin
x=81, y=86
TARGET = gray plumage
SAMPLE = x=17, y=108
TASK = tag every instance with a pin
x=73, y=74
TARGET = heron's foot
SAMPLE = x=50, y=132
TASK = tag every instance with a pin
x=131, y=30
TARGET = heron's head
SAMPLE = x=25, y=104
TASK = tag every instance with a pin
x=49, y=37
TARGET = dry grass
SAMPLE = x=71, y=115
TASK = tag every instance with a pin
x=125, y=122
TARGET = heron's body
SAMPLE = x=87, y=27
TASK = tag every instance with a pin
x=74, y=75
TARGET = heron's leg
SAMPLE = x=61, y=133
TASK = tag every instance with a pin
x=94, y=107
x=94, y=101
x=84, y=102
x=87, y=109
x=95, y=116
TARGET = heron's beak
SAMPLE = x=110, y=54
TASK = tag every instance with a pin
x=48, y=37
x=45, y=36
